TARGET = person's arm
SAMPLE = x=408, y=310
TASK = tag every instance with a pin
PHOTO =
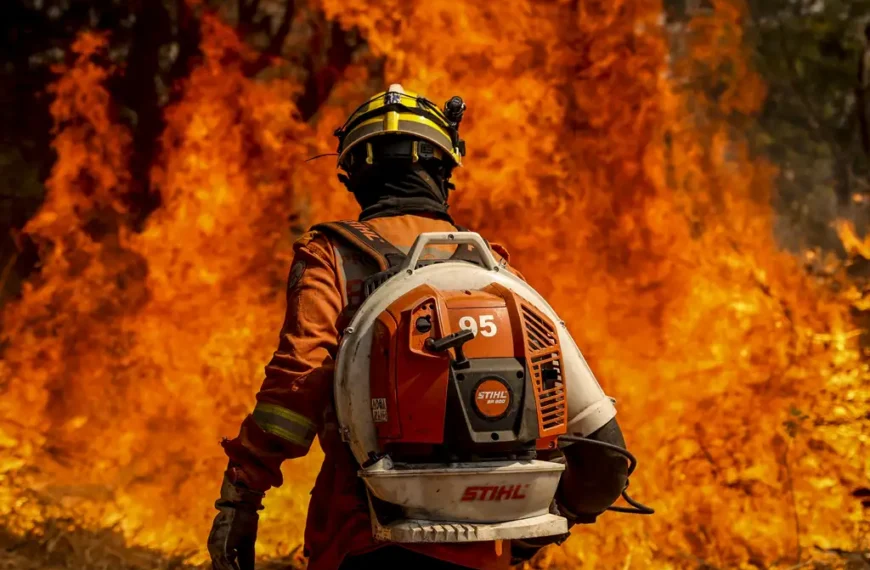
x=290, y=404
x=298, y=382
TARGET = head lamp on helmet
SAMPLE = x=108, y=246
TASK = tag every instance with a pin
x=399, y=124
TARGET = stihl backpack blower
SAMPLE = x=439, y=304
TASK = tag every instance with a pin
x=451, y=379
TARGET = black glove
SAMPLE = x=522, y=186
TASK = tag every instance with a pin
x=234, y=531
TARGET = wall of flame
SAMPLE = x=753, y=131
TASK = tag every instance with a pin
x=623, y=194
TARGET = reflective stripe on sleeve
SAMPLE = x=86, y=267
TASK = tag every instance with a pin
x=284, y=423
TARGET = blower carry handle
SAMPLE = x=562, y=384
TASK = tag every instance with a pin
x=449, y=238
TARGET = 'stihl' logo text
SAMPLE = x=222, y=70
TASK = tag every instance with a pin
x=493, y=396
x=496, y=493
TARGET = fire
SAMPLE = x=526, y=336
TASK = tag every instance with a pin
x=621, y=194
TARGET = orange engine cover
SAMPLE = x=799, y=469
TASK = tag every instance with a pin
x=504, y=384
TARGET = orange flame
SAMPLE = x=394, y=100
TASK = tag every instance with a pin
x=624, y=195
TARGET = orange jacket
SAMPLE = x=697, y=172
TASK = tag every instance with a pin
x=295, y=401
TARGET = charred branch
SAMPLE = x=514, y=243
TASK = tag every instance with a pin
x=863, y=125
x=276, y=41
x=188, y=39
x=247, y=11
x=328, y=54
x=322, y=78
x=861, y=94
x=138, y=92
x=148, y=85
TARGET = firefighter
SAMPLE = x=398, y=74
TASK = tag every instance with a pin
x=398, y=152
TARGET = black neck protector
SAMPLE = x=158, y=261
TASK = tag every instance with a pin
x=394, y=188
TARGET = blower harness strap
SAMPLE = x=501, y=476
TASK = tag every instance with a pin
x=363, y=237
x=388, y=257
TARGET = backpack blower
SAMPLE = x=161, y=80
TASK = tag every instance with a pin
x=452, y=379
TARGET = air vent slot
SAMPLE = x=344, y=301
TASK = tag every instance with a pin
x=544, y=358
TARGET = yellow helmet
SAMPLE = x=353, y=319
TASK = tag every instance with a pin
x=431, y=132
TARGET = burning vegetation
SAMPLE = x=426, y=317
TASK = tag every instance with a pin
x=596, y=154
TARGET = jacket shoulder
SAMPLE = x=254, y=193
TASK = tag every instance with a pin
x=317, y=243
x=501, y=251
